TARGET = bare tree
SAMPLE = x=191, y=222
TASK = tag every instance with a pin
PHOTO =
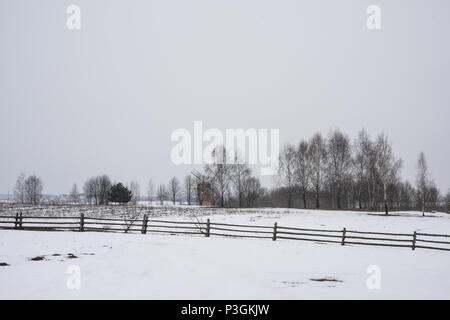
x=150, y=190
x=447, y=201
x=103, y=187
x=33, y=189
x=219, y=174
x=339, y=161
x=90, y=190
x=161, y=194
x=252, y=190
x=434, y=195
x=74, y=195
x=239, y=173
x=286, y=172
x=318, y=154
x=387, y=167
x=361, y=163
x=422, y=179
x=97, y=189
x=188, y=188
x=302, y=170
x=19, y=188
x=135, y=191
x=174, y=189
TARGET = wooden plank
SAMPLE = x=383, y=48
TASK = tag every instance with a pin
x=37, y=217
x=173, y=227
x=434, y=248
x=433, y=235
x=382, y=239
x=50, y=223
x=240, y=225
x=433, y=241
x=313, y=240
x=316, y=230
x=380, y=244
x=103, y=219
x=309, y=234
x=110, y=229
x=239, y=236
x=106, y=223
x=172, y=231
x=381, y=233
x=180, y=222
x=236, y=230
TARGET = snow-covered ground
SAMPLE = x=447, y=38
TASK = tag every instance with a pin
x=136, y=266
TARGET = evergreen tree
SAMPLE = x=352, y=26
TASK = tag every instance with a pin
x=119, y=193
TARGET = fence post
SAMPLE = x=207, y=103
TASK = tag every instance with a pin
x=343, y=236
x=414, y=240
x=82, y=221
x=144, y=224
x=16, y=223
x=274, y=237
x=20, y=220
x=208, y=227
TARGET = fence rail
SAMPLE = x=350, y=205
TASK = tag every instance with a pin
x=145, y=225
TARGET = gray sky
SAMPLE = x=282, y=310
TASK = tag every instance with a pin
x=105, y=99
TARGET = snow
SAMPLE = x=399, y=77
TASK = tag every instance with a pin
x=136, y=266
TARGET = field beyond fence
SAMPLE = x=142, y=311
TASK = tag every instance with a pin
x=208, y=228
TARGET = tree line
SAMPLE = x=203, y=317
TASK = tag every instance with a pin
x=321, y=172
x=335, y=172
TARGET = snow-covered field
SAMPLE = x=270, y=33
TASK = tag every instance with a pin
x=135, y=266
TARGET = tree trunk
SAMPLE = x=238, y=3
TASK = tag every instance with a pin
x=423, y=204
x=317, y=198
x=304, y=199
x=289, y=199
x=338, y=196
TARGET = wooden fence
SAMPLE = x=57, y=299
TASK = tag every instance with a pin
x=208, y=228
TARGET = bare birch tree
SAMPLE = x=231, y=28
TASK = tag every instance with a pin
x=251, y=190
x=74, y=195
x=135, y=191
x=219, y=174
x=361, y=163
x=188, y=188
x=339, y=161
x=19, y=188
x=286, y=172
x=318, y=160
x=240, y=172
x=387, y=167
x=161, y=194
x=33, y=189
x=174, y=189
x=150, y=190
x=303, y=169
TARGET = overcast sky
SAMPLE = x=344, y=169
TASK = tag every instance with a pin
x=106, y=98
